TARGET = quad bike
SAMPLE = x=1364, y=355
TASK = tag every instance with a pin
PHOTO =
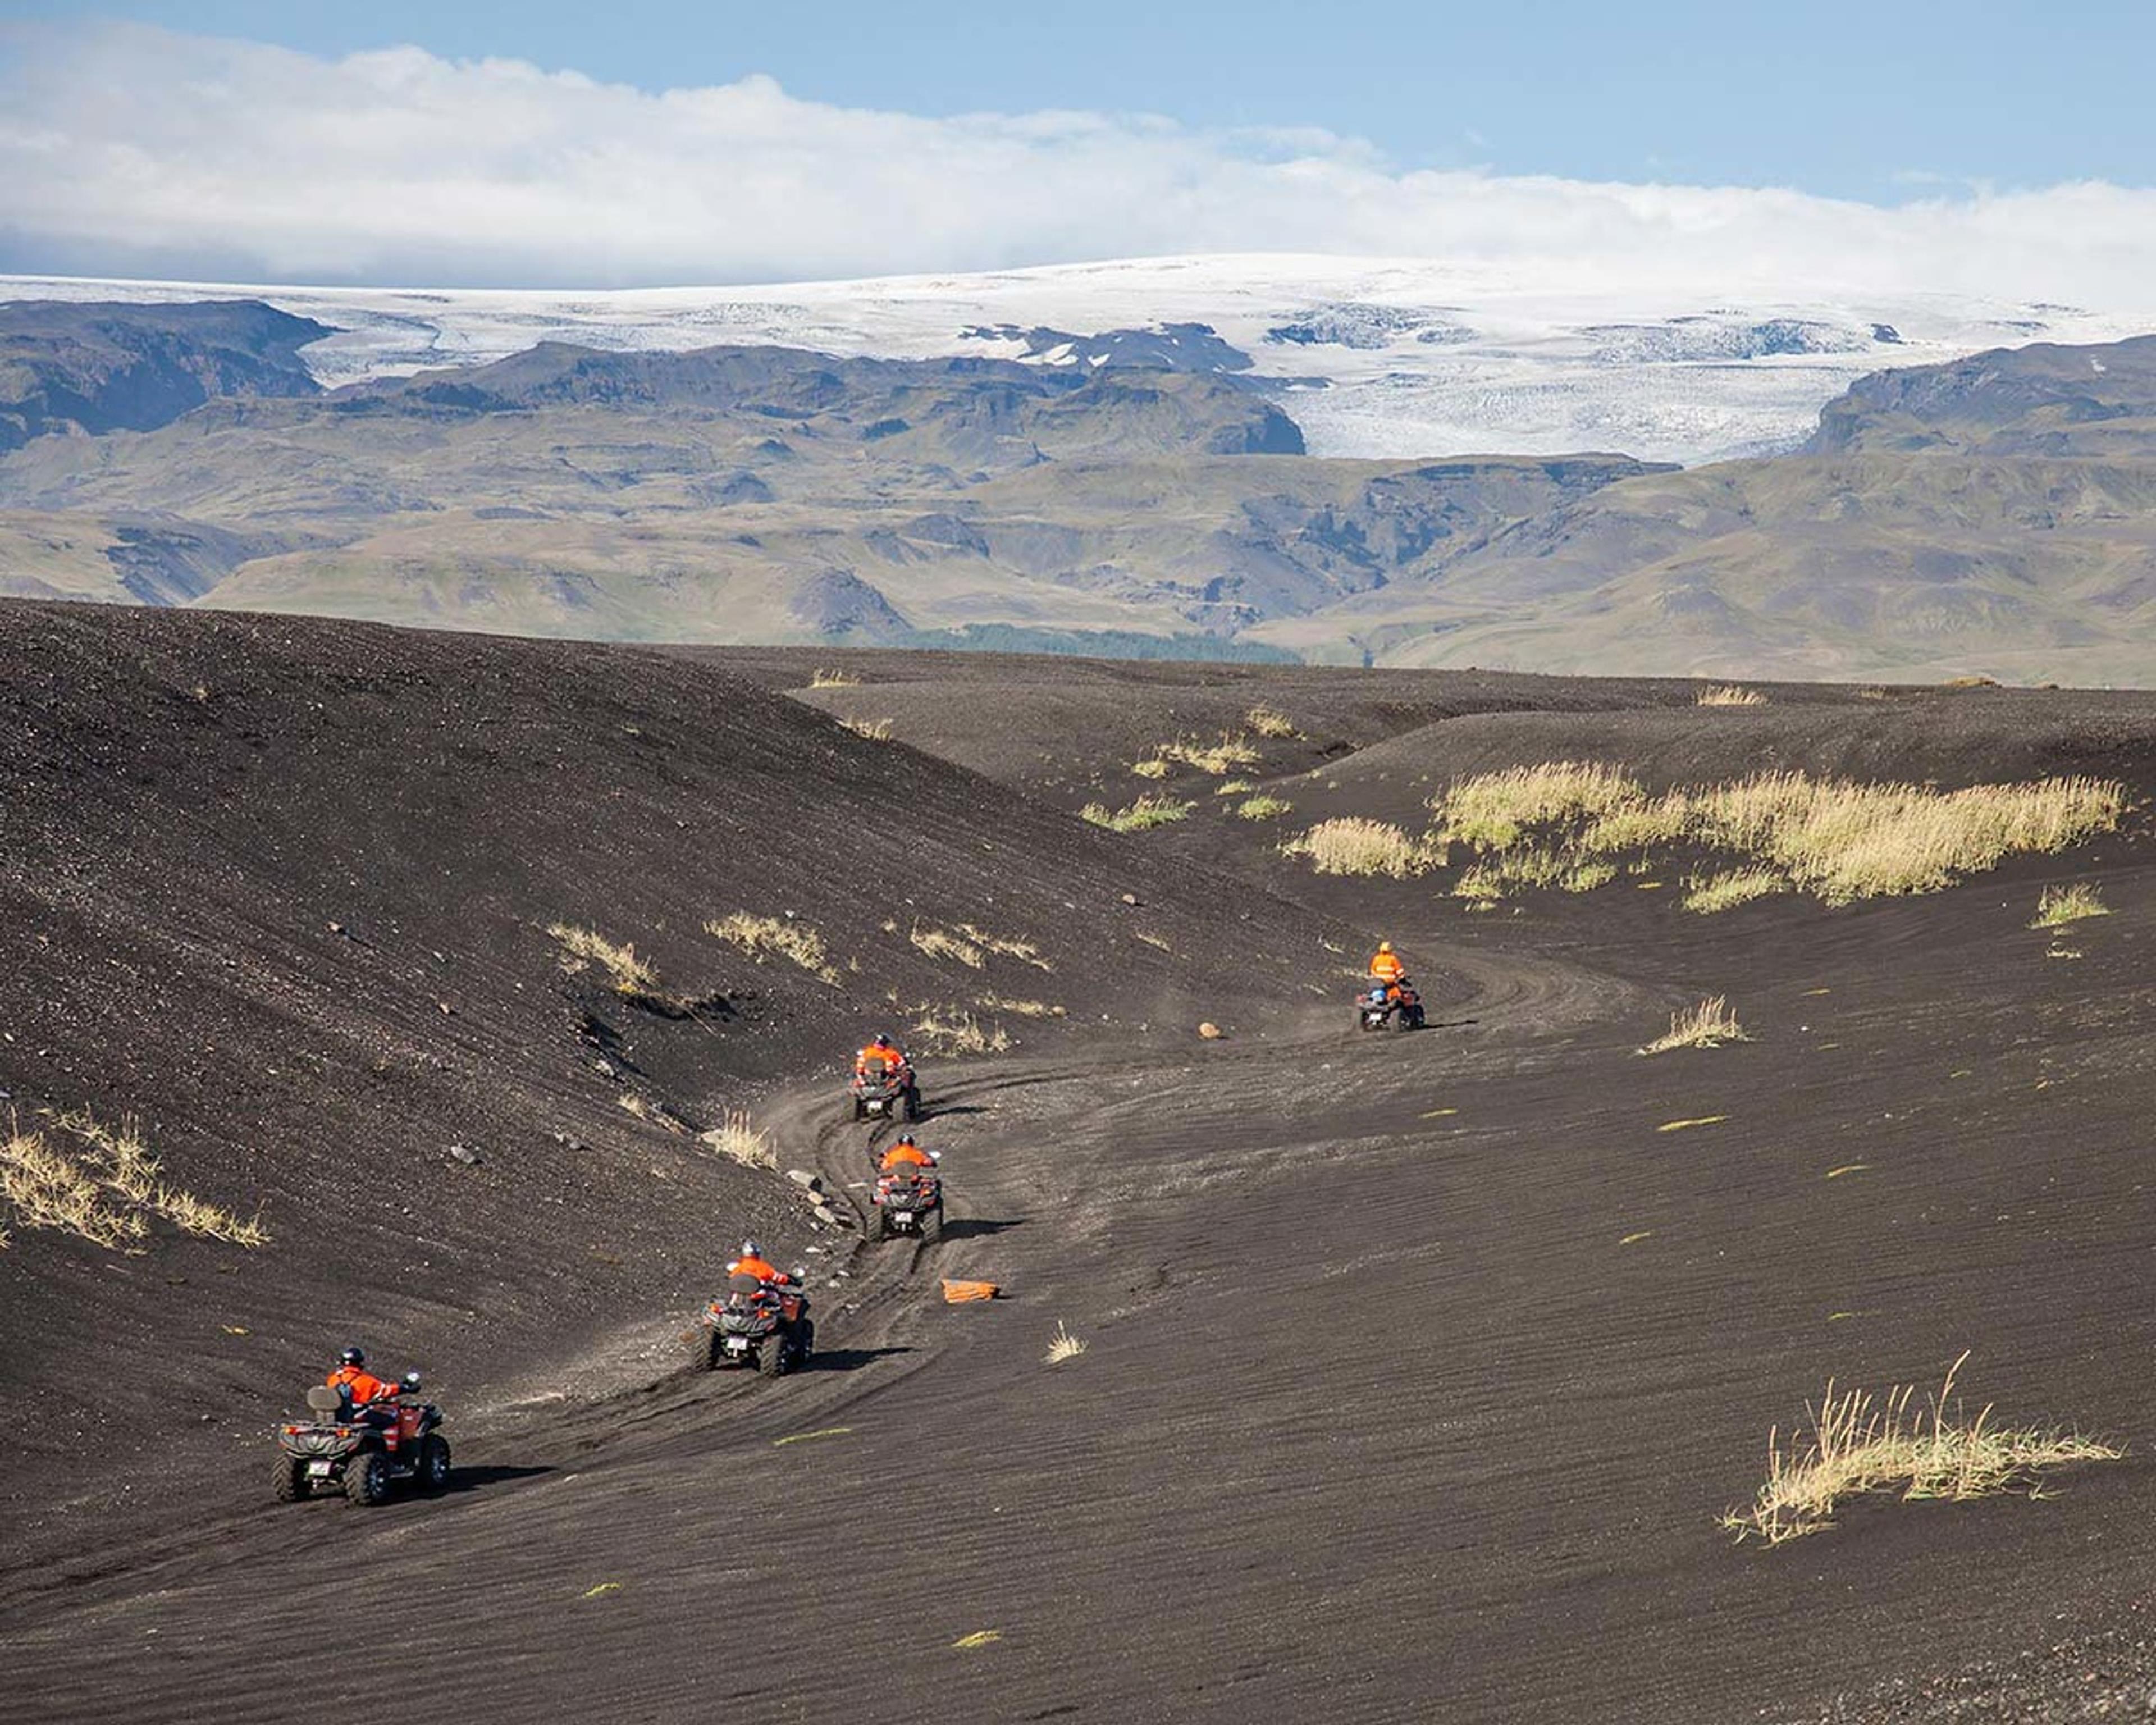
x=886, y=1092
x=756, y=1323
x=907, y=1200
x=1400, y=1006
x=361, y=1451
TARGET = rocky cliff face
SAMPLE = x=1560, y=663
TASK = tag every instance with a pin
x=94, y=368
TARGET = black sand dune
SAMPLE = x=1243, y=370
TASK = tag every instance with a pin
x=1419, y=1367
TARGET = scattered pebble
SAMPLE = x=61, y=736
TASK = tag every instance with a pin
x=465, y=1154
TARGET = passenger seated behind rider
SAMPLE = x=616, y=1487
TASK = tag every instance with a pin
x=753, y=1264
x=360, y=1386
x=882, y=1051
x=904, y=1155
x=1386, y=969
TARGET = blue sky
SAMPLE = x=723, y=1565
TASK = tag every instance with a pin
x=629, y=143
x=1877, y=102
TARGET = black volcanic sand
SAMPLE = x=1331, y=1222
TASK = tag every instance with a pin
x=1419, y=1367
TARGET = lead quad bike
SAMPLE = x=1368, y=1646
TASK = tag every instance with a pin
x=756, y=1323
x=1399, y=1006
x=885, y=1093
x=364, y=1452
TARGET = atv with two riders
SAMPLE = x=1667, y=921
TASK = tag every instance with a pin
x=362, y=1451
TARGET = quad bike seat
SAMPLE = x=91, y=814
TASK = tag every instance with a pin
x=331, y=1404
x=741, y=1282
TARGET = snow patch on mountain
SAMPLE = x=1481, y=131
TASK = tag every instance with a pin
x=1388, y=357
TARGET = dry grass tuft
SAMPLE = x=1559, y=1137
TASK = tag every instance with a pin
x=833, y=679
x=1234, y=788
x=1351, y=846
x=1220, y=757
x=1152, y=768
x=105, y=1192
x=1018, y=1008
x=778, y=936
x=875, y=730
x=1835, y=838
x=1264, y=808
x=1267, y=721
x=1063, y=1345
x=972, y=947
x=736, y=1138
x=1147, y=811
x=1729, y=695
x=2059, y=905
x=948, y=1030
x=48, y=1187
x=631, y=976
x=1708, y=1024
x=945, y=943
x=1708, y=894
x=1858, y=1445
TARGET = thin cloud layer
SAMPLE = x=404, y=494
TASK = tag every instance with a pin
x=129, y=150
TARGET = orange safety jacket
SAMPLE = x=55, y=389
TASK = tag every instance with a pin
x=1386, y=968
x=905, y=1155
x=883, y=1052
x=757, y=1267
x=364, y=1387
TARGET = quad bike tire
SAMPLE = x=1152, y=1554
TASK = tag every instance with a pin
x=932, y=1226
x=288, y=1479
x=367, y=1478
x=771, y=1357
x=912, y=1105
x=704, y=1350
x=434, y=1463
x=876, y=1225
x=807, y=1345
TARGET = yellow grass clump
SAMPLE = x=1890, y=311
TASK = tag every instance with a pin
x=2058, y=904
x=1726, y=890
x=1269, y=721
x=1857, y=1445
x=1147, y=811
x=1264, y=808
x=948, y=1030
x=1491, y=810
x=1234, y=788
x=833, y=679
x=631, y=976
x=875, y=730
x=1063, y=1345
x=1152, y=768
x=1708, y=1024
x=1352, y=845
x=1729, y=695
x=972, y=946
x=1220, y=758
x=106, y=1191
x=736, y=1138
x=775, y=937
x=1018, y=1008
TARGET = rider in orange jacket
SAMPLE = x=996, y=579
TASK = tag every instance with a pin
x=882, y=1051
x=905, y=1154
x=362, y=1386
x=752, y=1262
x=1386, y=968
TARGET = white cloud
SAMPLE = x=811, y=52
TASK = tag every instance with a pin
x=125, y=149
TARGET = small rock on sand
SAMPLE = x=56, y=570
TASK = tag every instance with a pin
x=1210, y=1031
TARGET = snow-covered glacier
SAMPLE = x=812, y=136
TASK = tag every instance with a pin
x=1379, y=358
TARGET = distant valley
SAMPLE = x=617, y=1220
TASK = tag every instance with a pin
x=1137, y=489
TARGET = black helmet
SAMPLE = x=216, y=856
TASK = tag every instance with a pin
x=907, y=1138
x=750, y=1248
x=878, y=1036
x=352, y=1357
